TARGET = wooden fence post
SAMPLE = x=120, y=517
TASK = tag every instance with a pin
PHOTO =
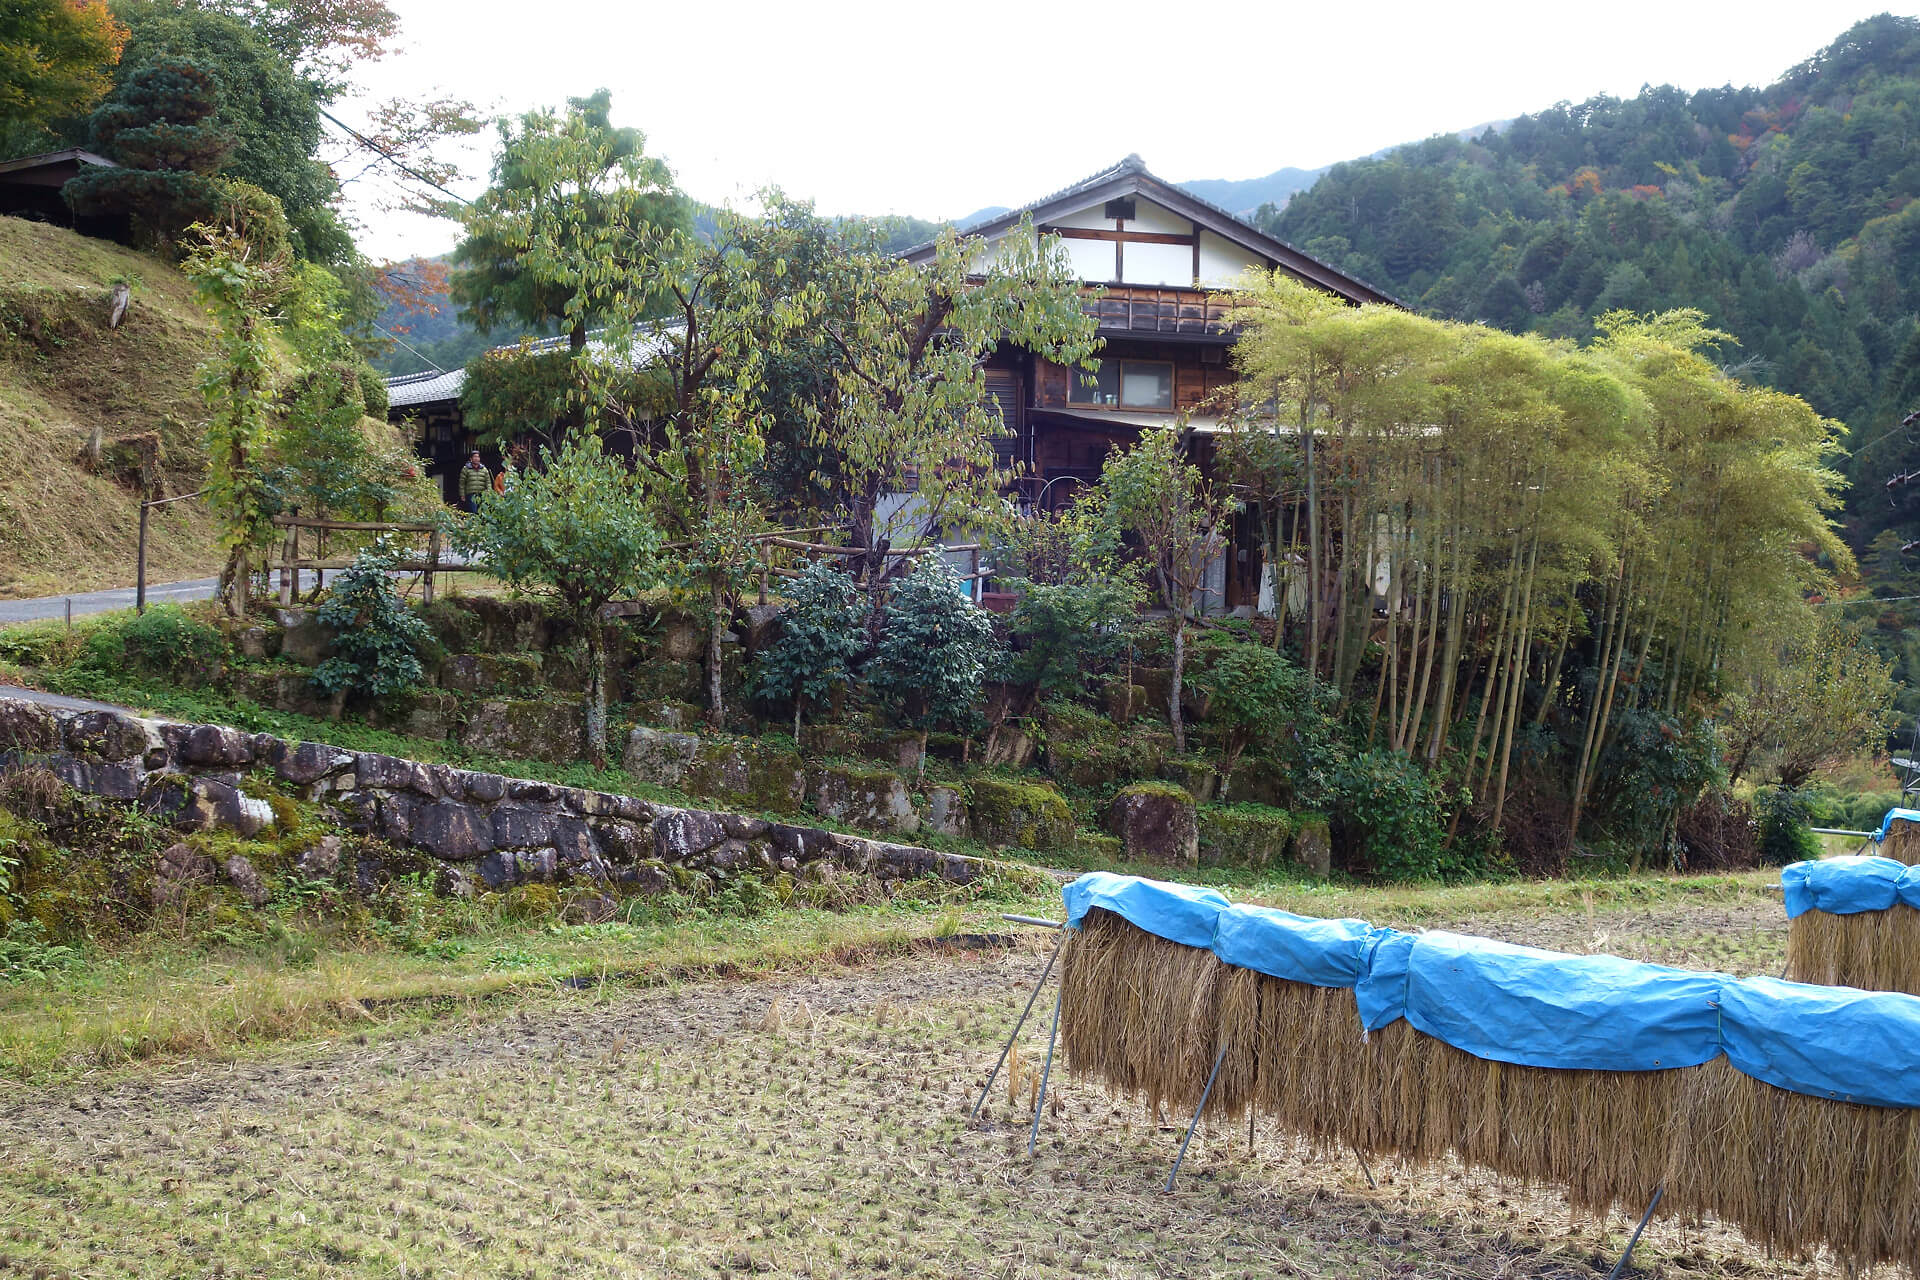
x=433, y=564
x=289, y=556
x=140, y=566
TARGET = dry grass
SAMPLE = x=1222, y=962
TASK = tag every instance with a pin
x=813, y=1126
x=1872, y=950
x=1145, y=1017
x=1797, y=1172
x=1902, y=843
x=63, y=373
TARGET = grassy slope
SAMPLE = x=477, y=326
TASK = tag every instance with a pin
x=63, y=372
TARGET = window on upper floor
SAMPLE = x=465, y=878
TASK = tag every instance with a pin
x=1123, y=384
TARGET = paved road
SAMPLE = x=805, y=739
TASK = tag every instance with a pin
x=85, y=602
x=55, y=699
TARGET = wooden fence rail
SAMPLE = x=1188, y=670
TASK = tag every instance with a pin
x=430, y=565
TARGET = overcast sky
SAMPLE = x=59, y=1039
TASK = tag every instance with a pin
x=938, y=110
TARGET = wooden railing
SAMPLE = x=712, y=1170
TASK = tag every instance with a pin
x=291, y=562
x=428, y=565
x=1150, y=309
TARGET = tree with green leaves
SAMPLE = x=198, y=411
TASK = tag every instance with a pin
x=1077, y=592
x=902, y=346
x=323, y=461
x=576, y=528
x=822, y=631
x=1253, y=695
x=239, y=269
x=1152, y=491
x=269, y=110
x=1828, y=697
x=935, y=643
x=158, y=126
x=569, y=187
x=376, y=638
x=56, y=58
x=689, y=379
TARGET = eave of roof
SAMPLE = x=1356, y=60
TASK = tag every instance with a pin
x=47, y=159
x=1131, y=176
x=436, y=386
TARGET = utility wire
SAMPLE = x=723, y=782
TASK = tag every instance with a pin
x=396, y=337
x=396, y=161
x=1865, y=600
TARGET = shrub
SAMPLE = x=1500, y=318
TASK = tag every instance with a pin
x=1253, y=694
x=933, y=649
x=1784, y=829
x=1064, y=630
x=1718, y=833
x=1391, y=807
x=164, y=641
x=377, y=638
x=820, y=634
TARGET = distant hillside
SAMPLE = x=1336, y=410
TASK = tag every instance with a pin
x=1789, y=214
x=67, y=523
x=1786, y=213
x=1244, y=195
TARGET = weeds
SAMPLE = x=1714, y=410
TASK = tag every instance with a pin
x=25, y=952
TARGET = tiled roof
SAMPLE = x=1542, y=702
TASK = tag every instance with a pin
x=1131, y=174
x=410, y=390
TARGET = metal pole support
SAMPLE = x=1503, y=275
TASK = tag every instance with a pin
x=1008, y=1047
x=1620, y=1267
x=1040, y=1103
x=1194, y=1123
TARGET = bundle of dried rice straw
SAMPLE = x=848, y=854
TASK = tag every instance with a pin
x=1146, y=1016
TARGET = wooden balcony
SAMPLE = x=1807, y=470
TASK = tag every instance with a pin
x=1148, y=309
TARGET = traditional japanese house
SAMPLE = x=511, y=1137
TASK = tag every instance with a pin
x=1164, y=264
x=1160, y=266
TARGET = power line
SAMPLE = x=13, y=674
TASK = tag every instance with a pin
x=1821, y=604
x=396, y=337
x=396, y=161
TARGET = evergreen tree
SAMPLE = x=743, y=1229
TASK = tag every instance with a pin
x=158, y=127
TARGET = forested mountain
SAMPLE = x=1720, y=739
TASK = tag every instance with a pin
x=1785, y=214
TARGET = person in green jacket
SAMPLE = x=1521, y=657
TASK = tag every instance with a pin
x=475, y=482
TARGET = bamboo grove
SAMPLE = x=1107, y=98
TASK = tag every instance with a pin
x=1488, y=542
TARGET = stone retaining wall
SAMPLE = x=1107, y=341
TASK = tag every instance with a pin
x=480, y=827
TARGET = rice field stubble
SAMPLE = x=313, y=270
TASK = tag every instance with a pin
x=807, y=1126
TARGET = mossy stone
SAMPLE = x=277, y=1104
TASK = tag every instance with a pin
x=1243, y=835
x=525, y=729
x=1197, y=777
x=1022, y=815
x=1155, y=822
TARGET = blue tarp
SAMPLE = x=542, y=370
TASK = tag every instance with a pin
x=1905, y=815
x=1847, y=886
x=1546, y=1009
x=1381, y=993
x=1831, y=1042
x=1180, y=912
x=1324, y=953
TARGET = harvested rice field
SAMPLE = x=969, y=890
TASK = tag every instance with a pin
x=809, y=1125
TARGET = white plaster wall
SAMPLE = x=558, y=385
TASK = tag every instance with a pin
x=1159, y=264
x=1091, y=216
x=1222, y=261
x=1092, y=259
x=1158, y=219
